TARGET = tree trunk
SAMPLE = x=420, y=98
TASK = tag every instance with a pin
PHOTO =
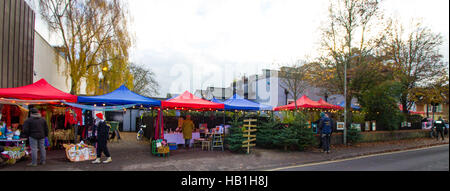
x=348, y=104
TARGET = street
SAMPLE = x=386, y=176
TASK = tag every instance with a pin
x=425, y=159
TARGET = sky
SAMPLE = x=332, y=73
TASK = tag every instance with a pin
x=192, y=44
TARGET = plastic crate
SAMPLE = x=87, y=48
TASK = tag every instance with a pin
x=172, y=146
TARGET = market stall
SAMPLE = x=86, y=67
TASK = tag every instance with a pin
x=187, y=102
x=122, y=96
x=14, y=103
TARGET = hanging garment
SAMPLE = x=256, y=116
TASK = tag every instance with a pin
x=10, y=114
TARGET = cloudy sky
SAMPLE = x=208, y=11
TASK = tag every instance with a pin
x=192, y=44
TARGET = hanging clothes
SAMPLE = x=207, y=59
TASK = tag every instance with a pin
x=10, y=114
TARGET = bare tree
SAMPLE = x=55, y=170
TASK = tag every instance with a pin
x=293, y=79
x=348, y=41
x=144, y=82
x=415, y=57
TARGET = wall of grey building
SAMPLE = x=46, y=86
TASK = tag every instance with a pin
x=16, y=43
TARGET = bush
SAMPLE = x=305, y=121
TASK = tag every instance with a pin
x=414, y=118
x=353, y=135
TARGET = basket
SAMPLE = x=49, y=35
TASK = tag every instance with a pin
x=163, y=150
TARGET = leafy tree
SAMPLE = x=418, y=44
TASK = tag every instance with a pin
x=144, y=82
x=94, y=35
x=380, y=103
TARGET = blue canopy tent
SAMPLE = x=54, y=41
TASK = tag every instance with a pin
x=238, y=103
x=353, y=106
x=120, y=96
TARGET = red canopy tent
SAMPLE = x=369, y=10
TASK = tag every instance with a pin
x=189, y=101
x=40, y=90
x=328, y=105
x=303, y=102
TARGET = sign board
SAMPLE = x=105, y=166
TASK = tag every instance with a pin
x=340, y=125
x=248, y=125
x=356, y=126
x=76, y=153
x=367, y=126
x=374, y=125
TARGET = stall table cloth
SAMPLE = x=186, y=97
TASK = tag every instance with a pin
x=178, y=137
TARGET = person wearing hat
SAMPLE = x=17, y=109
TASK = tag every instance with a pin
x=101, y=130
x=326, y=127
x=36, y=130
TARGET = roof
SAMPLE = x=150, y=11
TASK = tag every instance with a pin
x=40, y=90
x=303, y=102
x=330, y=106
x=188, y=101
x=120, y=96
x=238, y=103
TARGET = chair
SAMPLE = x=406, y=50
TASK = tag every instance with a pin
x=197, y=142
x=206, y=144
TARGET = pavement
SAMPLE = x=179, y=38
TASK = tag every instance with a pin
x=434, y=158
x=132, y=155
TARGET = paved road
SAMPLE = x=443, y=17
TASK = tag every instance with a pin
x=425, y=159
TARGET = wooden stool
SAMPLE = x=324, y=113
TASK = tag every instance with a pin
x=206, y=144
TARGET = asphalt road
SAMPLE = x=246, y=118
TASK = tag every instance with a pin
x=424, y=159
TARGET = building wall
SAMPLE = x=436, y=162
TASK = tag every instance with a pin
x=444, y=111
x=50, y=65
x=16, y=43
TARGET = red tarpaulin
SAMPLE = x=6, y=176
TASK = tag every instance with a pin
x=189, y=101
x=303, y=102
x=39, y=90
x=328, y=105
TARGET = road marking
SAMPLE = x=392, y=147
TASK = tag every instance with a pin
x=354, y=158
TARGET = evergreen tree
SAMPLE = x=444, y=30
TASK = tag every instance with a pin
x=296, y=135
x=266, y=133
x=235, y=138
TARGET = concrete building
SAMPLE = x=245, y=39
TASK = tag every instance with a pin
x=268, y=89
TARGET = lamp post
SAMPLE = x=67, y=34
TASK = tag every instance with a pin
x=104, y=69
x=345, y=97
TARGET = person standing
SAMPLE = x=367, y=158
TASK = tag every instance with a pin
x=187, y=127
x=102, y=132
x=36, y=130
x=439, y=125
x=326, y=128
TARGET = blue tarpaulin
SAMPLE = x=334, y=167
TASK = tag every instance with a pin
x=100, y=108
x=120, y=96
x=238, y=103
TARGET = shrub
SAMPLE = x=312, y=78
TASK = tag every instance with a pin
x=353, y=135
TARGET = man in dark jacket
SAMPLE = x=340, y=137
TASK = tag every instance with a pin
x=36, y=130
x=102, y=132
x=326, y=126
x=439, y=125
